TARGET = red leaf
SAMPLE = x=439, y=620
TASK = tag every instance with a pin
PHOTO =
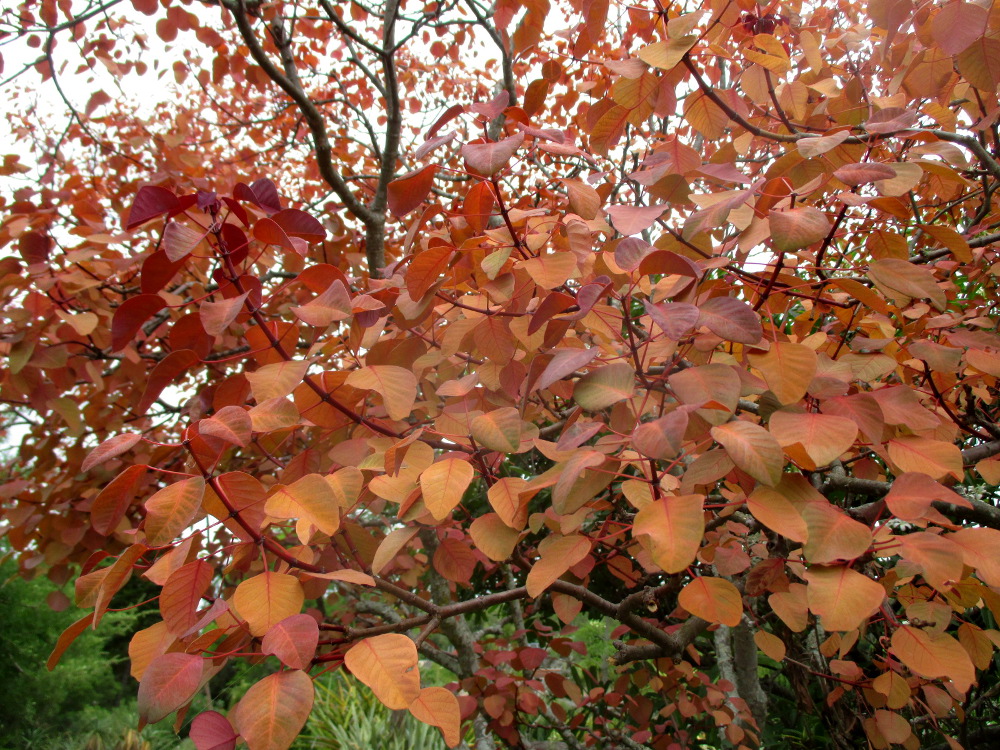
x=109, y=449
x=130, y=316
x=182, y=593
x=629, y=220
x=293, y=640
x=166, y=372
x=212, y=731
x=731, y=319
x=169, y=682
x=180, y=240
x=150, y=201
x=299, y=224
x=409, y=191
x=113, y=502
x=489, y=158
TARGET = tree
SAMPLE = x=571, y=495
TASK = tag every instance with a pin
x=432, y=332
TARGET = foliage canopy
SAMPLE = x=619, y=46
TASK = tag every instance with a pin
x=417, y=331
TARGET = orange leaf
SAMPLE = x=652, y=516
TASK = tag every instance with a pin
x=713, y=600
x=66, y=639
x=787, y=369
x=833, y=535
x=396, y=385
x=309, y=498
x=777, y=512
x=675, y=525
x=443, y=484
x=493, y=537
x=388, y=665
x=770, y=644
x=172, y=509
x=823, y=437
x=267, y=599
x=752, y=449
x=113, y=501
x=558, y=554
x=272, y=712
x=507, y=500
x=216, y=316
x=842, y=597
x=230, y=423
x=939, y=558
x=439, y=708
x=935, y=458
x=912, y=493
x=934, y=657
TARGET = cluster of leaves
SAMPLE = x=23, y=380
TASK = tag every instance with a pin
x=688, y=322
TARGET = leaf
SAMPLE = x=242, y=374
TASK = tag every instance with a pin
x=396, y=385
x=676, y=319
x=493, y=537
x=499, y=430
x=668, y=53
x=276, y=380
x=912, y=493
x=859, y=174
x=166, y=372
x=217, y=316
x=231, y=424
x=443, y=484
x=769, y=506
x=939, y=558
x=170, y=681
x=816, y=146
x=843, y=598
x=439, y=708
x=629, y=220
x=310, y=498
x=788, y=369
x=564, y=362
x=509, y=498
x=129, y=317
x=731, y=319
x=293, y=641
x=935, y=458
x=114, y=500
x=409, y=191
x=558, y=555
x=771, y=645
x=815, y=440
x=957, y=25
x=210, y=730
x=797, y=228
x=66, y=639
x=172, y=509
x=110, y=448
x=273, y=711
x=150, y=201
x=489, y=158
x=180, y=240
x=331, y=306
x=753, y=449
x=605, y=386
x=182, y=593
x=267, y=599
x=833, y=535
x=713, y=600
x=296, y=223
x=675, y=526
x=388, y=665
x=933, y=657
